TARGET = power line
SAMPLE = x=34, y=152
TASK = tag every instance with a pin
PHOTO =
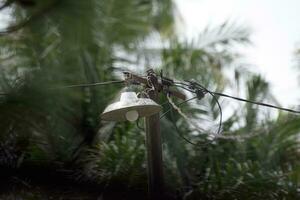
x=171, y=108
x=200, y=91
x=257, y=103
x=220, y=110
x=199, y=145
x=194, y=87
x=190, y=86
x=177, y=129
x=80, y=85
x=200, y=94
x=182, y=113
x=89, y=84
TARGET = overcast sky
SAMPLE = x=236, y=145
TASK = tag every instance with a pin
x=275, y=26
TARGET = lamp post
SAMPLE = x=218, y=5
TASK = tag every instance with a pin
x=130, y=108
x=154, y=147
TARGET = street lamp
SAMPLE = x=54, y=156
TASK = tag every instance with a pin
x=130, y=108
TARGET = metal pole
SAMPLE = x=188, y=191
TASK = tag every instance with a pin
x=154, y=148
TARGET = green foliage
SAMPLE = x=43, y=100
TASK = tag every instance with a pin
x=259, y=159
x=249, y=161
x=56, y=43
x=70, y=42
x=118, y=161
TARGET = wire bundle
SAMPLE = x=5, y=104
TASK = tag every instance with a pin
x=195, y=88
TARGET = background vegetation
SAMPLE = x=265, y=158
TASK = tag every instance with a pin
x=53, y=144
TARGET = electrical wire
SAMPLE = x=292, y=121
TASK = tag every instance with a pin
x=257, y=103
x=200, y=145
x=179, y=104
x=194, y=86
x=213, y=94
x=188, y=88
x=81, y=85
x=177, y=129
x=193, y=83
x=90, y=84
x=175, y=107
x=220, y=111
x=184, y=115
x=203, y=91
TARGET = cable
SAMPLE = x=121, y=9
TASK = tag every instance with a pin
x=184, y=138
x=183, y=102
x=220, y=111
x=200, y=92
x=177, y=129
x=217, y=136
x=81, y=85
x=255, y=102
x=89, y=84
x=183, y=114
x=194, y=84
x=180, y=86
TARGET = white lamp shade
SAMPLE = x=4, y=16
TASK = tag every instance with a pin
x=130, y=102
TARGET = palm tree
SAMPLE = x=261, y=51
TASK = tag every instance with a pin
x=54, y=43
x=249, y=160
x=48, y=129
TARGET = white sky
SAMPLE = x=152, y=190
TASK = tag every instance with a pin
x=275, y=33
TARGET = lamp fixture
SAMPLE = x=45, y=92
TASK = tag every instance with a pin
x=130, y=108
